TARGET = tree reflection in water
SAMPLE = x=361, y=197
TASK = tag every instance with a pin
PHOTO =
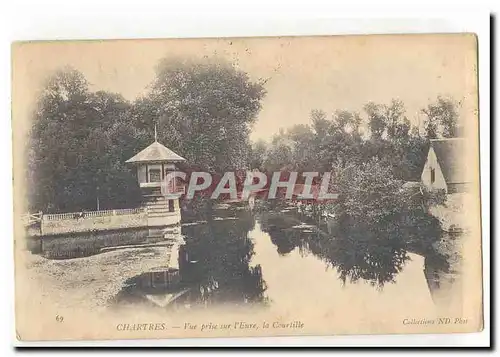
x=215, y=262
x=358, y=251
x=216, y=258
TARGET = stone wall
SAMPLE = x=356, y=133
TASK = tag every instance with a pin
x=73, y=245
x=169, y=219
x=89, y=223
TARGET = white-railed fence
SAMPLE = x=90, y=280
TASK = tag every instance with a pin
x=84, y=214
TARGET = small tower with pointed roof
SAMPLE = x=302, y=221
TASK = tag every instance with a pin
x=153, y=164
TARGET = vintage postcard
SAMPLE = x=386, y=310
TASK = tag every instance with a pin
x=279, y=186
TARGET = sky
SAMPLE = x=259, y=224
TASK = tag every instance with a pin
x=305, y=73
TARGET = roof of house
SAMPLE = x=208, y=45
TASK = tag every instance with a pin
x=156, y=152
x=450, y=155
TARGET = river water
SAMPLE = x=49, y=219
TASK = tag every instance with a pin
x=278, y=261
x=301, y=276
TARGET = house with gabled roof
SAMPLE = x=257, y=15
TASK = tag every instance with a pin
x=445, y=167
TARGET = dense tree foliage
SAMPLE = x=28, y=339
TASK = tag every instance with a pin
x=80, y=140
x=377, y=218
x=348, y=138
x=204, y=111
x=377, y=221
x=78, y=143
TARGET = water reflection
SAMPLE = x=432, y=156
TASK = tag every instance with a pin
x=216, y=259
x=238, y=258
x=218, y=265
x=374, y=254
x=213, y=267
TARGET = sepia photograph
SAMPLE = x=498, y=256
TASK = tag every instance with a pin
x=251, y=186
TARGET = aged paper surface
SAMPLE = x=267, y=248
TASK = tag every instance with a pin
x=104, y=251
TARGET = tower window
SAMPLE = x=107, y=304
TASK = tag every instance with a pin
x=154, y=175
x=433, y=175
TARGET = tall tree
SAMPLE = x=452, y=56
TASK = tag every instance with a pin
x=280, y=153
x=377, y=120
x=205, y=110
x=78, y=144
x=442, y=118
x=53, y=147
x=258, y=155
x=398, y=125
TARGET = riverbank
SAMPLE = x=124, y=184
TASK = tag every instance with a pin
x=453, y=213
x=89, y=282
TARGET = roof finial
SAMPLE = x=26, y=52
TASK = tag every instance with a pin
x=156, y=139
